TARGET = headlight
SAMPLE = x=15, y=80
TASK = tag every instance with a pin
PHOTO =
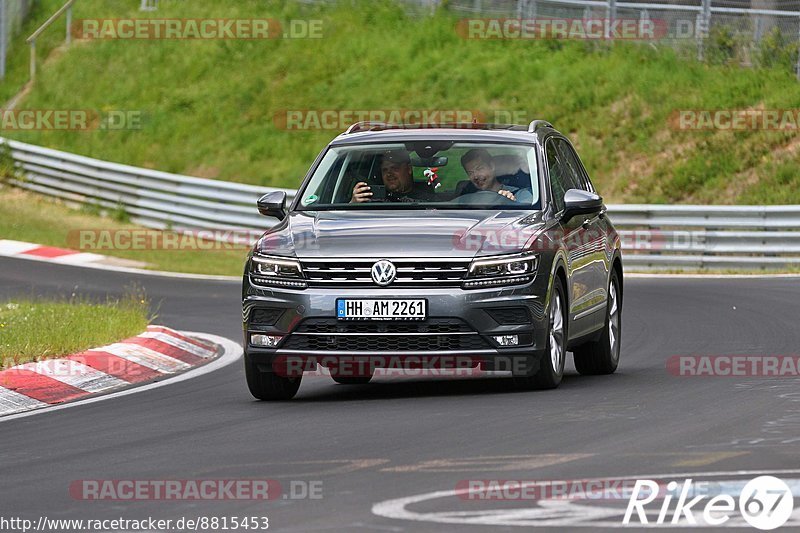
x=502, y=270
x=273, y=271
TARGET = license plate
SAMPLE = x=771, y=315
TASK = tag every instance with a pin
x=381, y=309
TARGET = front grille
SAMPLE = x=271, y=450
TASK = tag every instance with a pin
x=416, y=273
x=432, y=325
x=436, y=334
x=385, y=343
x=510, y=315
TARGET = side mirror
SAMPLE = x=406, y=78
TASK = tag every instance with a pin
x=580, y=202
x=273, y=204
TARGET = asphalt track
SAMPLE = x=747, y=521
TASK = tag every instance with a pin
x=401, y=437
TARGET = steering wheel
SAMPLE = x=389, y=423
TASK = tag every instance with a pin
x=483, y=197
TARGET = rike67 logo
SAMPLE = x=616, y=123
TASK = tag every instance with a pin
x=765, y=503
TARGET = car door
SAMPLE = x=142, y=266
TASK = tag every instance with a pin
x=580, y=275
x=593, y=246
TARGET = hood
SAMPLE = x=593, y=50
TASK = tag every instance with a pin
x=398, y=233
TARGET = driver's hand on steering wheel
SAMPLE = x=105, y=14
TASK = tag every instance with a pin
x=507, y=194
x=361, y=193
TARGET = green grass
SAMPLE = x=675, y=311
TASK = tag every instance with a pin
x=29, y=217
x=208, y=106
x=34, y=330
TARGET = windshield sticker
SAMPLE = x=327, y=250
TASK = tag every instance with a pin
x=311, y=199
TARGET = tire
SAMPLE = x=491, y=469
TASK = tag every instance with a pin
x=269, y=386
x=602, y=356
x=551, y=367
x=352, y=380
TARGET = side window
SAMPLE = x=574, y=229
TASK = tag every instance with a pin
x=558, y=174
x=571, y=160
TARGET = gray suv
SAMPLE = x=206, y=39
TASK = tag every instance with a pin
x=439, y=246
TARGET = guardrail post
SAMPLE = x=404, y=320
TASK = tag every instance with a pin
x=3, y=36
x=611, y=14
x=797, y=67
x=757, y=29
x=644, y=16
x=526, y=9
x=703, y=26
x=69, y=25
x=33, y=59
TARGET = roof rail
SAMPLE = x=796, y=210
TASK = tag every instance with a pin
x=373, y=126
x=534, y=125
x=365, y=125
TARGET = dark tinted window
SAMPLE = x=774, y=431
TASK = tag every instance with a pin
x=573, y=163
x=561, y=175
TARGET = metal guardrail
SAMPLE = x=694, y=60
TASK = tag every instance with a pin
x=151, y=198
x=66, y=8
x=654, y=236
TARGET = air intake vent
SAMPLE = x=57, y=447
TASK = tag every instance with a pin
x=265, y=316
x=510, y=315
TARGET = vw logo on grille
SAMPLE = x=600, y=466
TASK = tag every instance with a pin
x=383, y=272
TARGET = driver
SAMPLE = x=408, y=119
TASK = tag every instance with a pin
x=479, y=166
x=398, y=178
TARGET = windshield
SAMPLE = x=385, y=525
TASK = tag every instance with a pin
x=424, y=174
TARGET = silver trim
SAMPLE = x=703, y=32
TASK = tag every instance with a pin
x=537, y=124
x=329, y=270
x=374, y=334
x=591, y=310
x=386, y=353
x=465, y=260
x=395, y=282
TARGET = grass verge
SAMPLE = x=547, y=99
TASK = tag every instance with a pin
x=35, y=330
x=30, y=217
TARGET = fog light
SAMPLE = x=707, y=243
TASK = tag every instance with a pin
x=506, y=340
x=269, y=341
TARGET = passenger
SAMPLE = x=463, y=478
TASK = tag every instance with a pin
x=480, y=168
x=397, y=176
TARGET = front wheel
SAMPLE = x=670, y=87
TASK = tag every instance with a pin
x=551, y=367
x=269, y=386
x=602, y=356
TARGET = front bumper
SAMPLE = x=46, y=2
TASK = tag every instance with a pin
x=300, y=308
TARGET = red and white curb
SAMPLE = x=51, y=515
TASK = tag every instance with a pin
x=157, y=353
x=27, y=250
